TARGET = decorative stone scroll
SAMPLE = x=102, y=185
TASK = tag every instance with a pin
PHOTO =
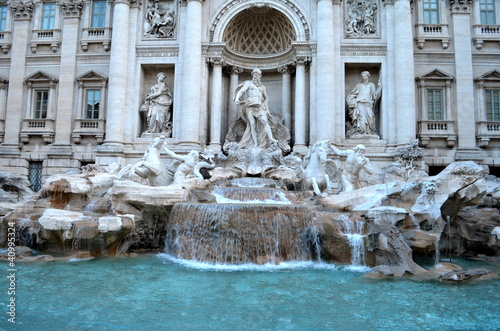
x=361, y=19
x=22, y=10
x=160, y=19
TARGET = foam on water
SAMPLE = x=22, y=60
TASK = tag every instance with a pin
x=269, y=267
x=283, y=201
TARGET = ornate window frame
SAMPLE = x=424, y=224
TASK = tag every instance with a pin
x=426, y=31
x=436, y=129
x=39, y=126
x=486, y=130
x=96, y=35
x=481, y=32
x=90, y=127
x=39, y=36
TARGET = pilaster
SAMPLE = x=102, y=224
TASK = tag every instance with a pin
x=66, y=99
x=234, y=73
x=22, y=14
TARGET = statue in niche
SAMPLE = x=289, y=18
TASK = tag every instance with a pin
x=360, y=103
x=159, y=22
x=256, y=127
x=360, y=18
x=354, y=163
x=157, y=106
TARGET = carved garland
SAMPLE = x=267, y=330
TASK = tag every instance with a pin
x=233, y=3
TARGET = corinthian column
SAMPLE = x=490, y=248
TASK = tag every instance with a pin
x=325, y=84
x=216, y=105
x=192, y=70
x=404, y=72
x=65, y=101
x=21, y=12
x=117, y=96
x=234, y=73
x=286, y=94
x=300, y=105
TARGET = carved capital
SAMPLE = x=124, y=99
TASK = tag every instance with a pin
x=72, y=8
x=460, y=6
x=217, y=61
x=125, y=2
x=21, y=10
x=286, y=69
x=302, y=60
x=234, y=70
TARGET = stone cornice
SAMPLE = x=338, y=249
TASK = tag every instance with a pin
x=156, y=51
x=362, y=50
x=91, y=59
x=460, y=6
x=72, y=8
x=22, y=10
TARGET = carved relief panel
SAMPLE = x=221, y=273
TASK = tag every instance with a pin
x=361, y=19
x=160, y=19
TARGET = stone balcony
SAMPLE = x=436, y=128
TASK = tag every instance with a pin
x=487, y=131
x=45, y=37
x=96, y=36
x=5, y=41
x=484, y=33
x=37, y=127
x=428, y=130
x=432, y=32
x=85, y=127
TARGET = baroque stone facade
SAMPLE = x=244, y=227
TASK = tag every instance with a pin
x=74, y=75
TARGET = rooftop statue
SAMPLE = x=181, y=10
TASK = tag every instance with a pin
x=360, y=102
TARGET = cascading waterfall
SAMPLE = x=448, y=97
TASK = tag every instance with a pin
x=251, y=195
x=239, y=234
x=354, y=233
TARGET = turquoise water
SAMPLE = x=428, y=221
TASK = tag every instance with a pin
x=154, y=293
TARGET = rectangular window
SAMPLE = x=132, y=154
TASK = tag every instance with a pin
x=48, y=15
x=41, y=104
x=431, y=11
x=487, y=10
x=98, y=14
x=93, y=100
x=35, y=175
x=3, y=18
x=435, y=105
x=492, y=105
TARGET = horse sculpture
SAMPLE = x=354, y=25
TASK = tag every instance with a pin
x=316, y=170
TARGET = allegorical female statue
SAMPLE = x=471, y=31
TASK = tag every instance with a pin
x=158, y=105
x=361, y=102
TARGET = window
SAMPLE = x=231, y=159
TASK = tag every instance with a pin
x=35, y=169
x=48, y=16
x=487, y=12
x=435, y=104
x=3, y=18
x=492, y=105
x=431, y=11
x=93, y=100
x=41, y=104
x=98, y=14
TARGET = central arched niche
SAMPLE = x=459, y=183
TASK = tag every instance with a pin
x=259, y=31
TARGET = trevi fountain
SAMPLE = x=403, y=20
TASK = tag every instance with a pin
x=255, y=236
